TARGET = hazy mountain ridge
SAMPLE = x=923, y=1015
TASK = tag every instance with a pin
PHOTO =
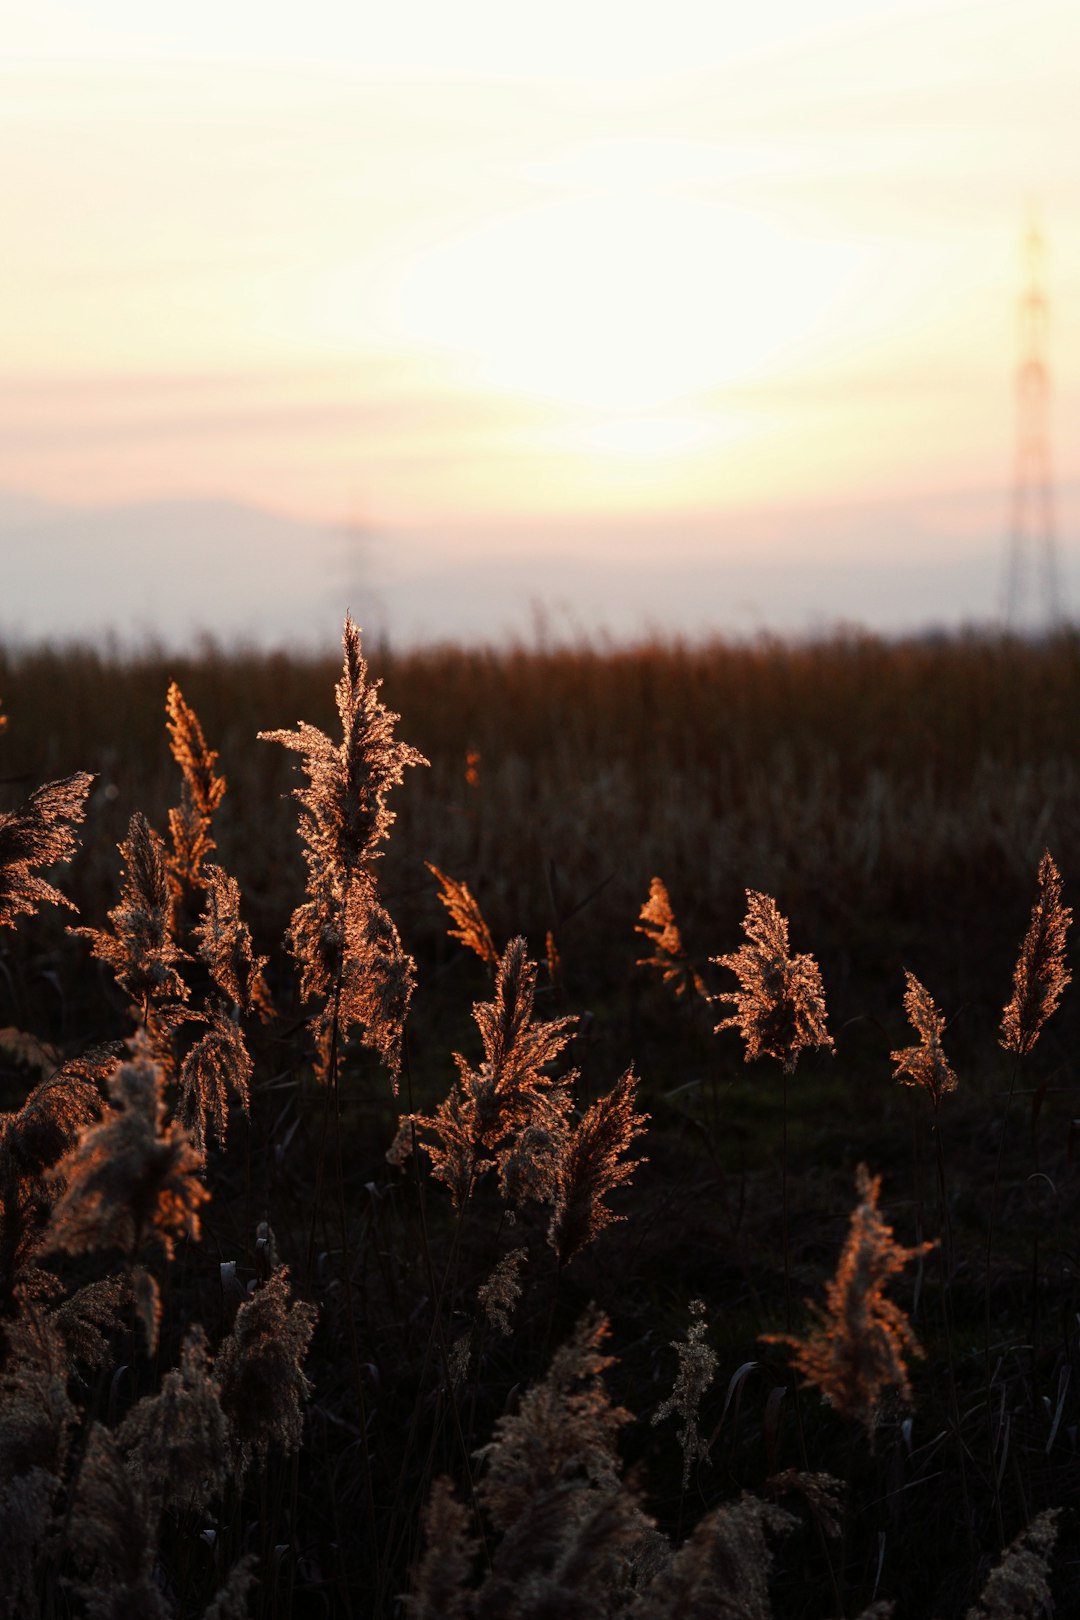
x=172, y=570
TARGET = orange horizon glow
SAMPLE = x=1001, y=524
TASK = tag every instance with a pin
x=441, y=273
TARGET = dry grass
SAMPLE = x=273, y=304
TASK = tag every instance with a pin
x=249, y=1366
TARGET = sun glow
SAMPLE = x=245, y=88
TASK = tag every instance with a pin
x=623, y=300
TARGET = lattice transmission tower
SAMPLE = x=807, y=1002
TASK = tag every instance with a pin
x=1032, y=576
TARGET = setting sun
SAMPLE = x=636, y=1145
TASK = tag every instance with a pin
x=628, y=299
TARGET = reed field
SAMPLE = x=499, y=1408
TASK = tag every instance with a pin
x=551, y=1132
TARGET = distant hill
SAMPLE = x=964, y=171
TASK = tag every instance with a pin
x=173, y=570
x=167, y=570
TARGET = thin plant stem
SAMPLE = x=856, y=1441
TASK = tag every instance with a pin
x=784, y=1211
x=991, y=1449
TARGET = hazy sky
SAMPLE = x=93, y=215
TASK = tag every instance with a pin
x=459, y=269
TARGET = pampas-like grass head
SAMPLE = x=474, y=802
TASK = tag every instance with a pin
x=926, y=1064
x=35, y=837
x=780, y=1003
x=1041, y=973
x=859, y=1344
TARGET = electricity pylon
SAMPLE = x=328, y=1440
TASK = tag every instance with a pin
x=1032, y=580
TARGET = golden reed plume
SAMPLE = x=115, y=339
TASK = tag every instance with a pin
x=470, y=929
x=669, y=958
x=1040, y=975
x=860, y=1341
x=926, y=1064
x=39, y=835
x=780, y=1003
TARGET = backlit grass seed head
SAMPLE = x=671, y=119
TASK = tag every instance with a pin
x=780, y=1003
x=343, y=941
x=132, y=1180
x=378, y=978
x=592, y=1164
x=669, y=958
x=38, y=836
x=216, y=1067
x=484, y=1118
x=344, y=812
x=470, y=927
x=440, y=1581
x=926, y=1064
x=859, y=1344
x=202, y=792
x=141, y=949
x=565, y=1428
x=260, y=1370
x=177, y=1439
x=225, y=944
x=1041, y=973
x=721, y=1571
x=697, y=1369
x=498, y=1296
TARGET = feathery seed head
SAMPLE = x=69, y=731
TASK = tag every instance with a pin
x=345, y=814
x=1019, y=1587
x=260, y=1369
x=177, y=1439
x=565, y=1426
x=130, y=1180
x=216, y=1065
x=858, y=1345
x=1041, y=973
x=470, y=929
x=484, y=1118
x=697, y=1369
x=926, y=1064
x=501, y=1292
x=202, y=792
x=141, y=949
x=225, y=944
x=669, y=958
x=39, y=835
x=780, y=1003
x=591, y=1165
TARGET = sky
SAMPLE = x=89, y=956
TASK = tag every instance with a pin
x=557, y=302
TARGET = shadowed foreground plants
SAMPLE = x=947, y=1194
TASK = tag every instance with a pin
x=301, y=1316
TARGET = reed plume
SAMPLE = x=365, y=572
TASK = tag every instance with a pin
x=32, y=1140
x=216, y=1067
x=201, y=794
x=484, y=1120
x=130, y=1182
x=260, y=1373
x=470, y=927
x=224, y=944
x=696, y=1371
x=1019, y=1587
x=440, y=1586
x=344, y=818
x=176, y=1440
x=112, y=1534
x=1041, y=973
x=722, y=1570
x=590, y=1164
x=141, y=950
x=498, y=1296
x=565, y=1427
x=668, y=958
x=39, y=835
x=859, y=1343
x=780, y=1003
x=926, y=1064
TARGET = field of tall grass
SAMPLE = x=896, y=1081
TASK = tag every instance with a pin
x=567, y=1132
